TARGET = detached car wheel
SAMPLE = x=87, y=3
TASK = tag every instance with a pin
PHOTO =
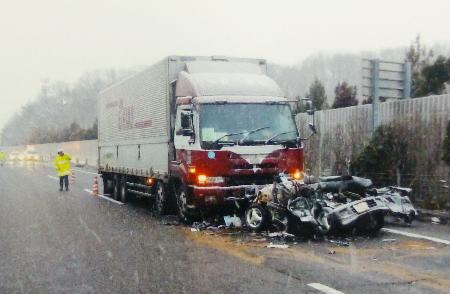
x=257, y=218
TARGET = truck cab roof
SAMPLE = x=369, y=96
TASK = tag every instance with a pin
x=225, y=78
x=226, y=84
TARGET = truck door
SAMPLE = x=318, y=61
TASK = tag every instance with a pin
x=184, y=130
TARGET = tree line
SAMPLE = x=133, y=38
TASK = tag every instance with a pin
x=61, y=111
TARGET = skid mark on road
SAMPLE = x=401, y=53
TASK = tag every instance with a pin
x=324, y=288
x=227, y=245
x=417, y=236
x=105, y=197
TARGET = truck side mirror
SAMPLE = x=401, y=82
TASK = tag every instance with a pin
x=186, y=124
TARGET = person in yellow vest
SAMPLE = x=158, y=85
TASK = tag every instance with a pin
x=62, y=166
x=2, y=158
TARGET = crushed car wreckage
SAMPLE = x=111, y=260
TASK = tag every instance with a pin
x=328, y=206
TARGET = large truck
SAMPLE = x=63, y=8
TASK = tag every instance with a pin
x=192, y=133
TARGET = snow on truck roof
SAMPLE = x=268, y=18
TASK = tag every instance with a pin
x=239, y=99
x=222, y=67
x=225, y=78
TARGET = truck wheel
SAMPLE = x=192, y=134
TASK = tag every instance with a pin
x=116, y=187
x=182, y=203
x=123, y=190
x=257, y=217
x=107, y=185
x=160, y=203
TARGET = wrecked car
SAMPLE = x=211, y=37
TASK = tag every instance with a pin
x=345, y=189
x=326, y=207
x=365, y=215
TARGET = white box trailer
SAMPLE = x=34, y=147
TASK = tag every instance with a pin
x=134, y=123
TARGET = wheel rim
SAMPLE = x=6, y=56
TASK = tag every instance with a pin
x=159, y=198
x=254, y=217
x=182, y=203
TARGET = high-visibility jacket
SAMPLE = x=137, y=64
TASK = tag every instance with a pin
x=62, y=164
x=2, y=156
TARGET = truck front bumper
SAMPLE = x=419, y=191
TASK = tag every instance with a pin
x=219, y=195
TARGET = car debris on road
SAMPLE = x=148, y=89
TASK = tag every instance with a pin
x=334, y=204
x=327, y=209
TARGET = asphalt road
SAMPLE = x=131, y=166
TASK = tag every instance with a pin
x=73, y=242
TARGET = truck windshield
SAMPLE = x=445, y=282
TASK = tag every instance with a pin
x=245, y=123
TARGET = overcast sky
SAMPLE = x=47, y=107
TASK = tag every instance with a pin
x=60, y=40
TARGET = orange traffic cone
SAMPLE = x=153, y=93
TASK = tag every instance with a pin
x=73, y=178
x=95, y=187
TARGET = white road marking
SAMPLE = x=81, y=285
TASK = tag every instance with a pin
x=53, y=178
x=412, y=235
x=105, y=197
x=324, y=289
x=85, y=172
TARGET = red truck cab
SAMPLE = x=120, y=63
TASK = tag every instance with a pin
x=227, y=143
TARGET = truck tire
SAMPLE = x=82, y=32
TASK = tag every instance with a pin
x=123, y=190
x=160, y=203
x=116, y=187
x=181, y=195
x=107, y=185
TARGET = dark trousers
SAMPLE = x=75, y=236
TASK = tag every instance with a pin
x=64, y=179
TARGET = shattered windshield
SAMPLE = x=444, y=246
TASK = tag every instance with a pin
x=246, y=123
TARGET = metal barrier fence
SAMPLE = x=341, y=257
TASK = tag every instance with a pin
x=343, y=133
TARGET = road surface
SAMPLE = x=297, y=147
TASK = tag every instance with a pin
x=73, y=242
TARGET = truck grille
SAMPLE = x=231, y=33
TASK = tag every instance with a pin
x=257, y=179
x=251, y=166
